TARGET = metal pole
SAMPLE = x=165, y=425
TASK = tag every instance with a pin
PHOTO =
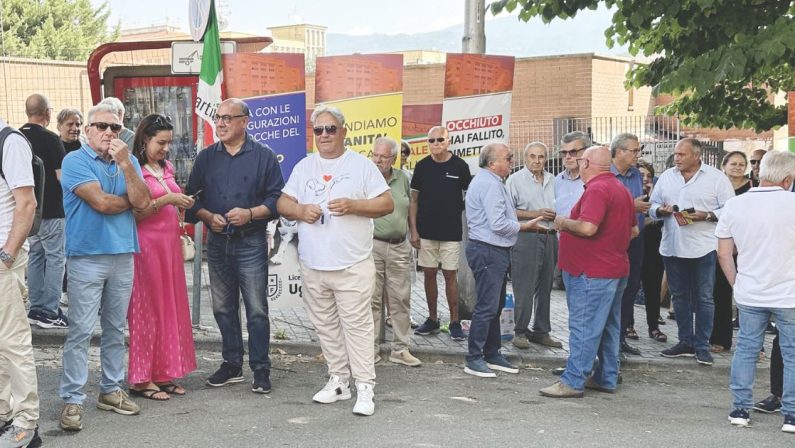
x=198, y=236
x=474, y=40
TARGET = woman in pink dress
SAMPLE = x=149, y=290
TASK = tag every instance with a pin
x=161, y=336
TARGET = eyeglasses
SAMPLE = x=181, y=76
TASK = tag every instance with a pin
x=226, y=119
x=571, y=152
x=162, y=121
x=102, y=126
x=754, y=162
x=382, y=157
x=330, y=129
x=633, y=151
x=436, y=140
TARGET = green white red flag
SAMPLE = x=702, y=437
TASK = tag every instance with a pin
x=211, y=77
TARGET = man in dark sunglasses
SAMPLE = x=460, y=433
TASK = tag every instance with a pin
x=126, y=135
x=756, y=158
x=101, y=184
x=335, y=194
x=437, y=201
x=237, y=182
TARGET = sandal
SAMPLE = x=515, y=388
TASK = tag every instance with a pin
x=632, y=334
x=172, y=389
x=717, y=348
x=150, y=394
x=658, y=335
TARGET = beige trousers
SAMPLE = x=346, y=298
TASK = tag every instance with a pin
x=338, y=304
x=17, y=367
x=392, y=278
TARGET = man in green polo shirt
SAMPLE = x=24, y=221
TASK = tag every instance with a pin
x=392, y=256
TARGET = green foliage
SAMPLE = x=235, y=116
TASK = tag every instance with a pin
x=721, y=59
x=54, y=29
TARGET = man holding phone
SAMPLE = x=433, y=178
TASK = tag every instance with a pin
x=689, y=248
x=236, y=183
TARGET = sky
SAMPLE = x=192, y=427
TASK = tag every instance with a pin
x=358, y=17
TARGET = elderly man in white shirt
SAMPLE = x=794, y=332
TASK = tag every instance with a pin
x=689, y=198
x=759, y=225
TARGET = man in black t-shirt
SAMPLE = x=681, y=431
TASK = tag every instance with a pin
x=46, y=259
x=437, y=201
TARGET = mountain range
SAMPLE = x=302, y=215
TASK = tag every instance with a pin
x=584, y=33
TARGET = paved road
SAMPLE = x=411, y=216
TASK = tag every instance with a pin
x=436, y=405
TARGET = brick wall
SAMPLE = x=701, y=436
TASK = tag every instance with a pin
x=65, y=84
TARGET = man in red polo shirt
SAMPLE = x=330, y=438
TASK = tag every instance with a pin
x=595, y=266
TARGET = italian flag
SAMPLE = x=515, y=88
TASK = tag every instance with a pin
x=211, y=77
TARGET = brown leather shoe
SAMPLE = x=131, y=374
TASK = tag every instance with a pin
x=591, y=384
x=547, y=341
x=560, y=390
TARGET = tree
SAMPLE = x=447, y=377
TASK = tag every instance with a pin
x=721, y=59
x=54, y=29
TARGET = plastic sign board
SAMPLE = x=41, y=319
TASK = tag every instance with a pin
x=186, y=57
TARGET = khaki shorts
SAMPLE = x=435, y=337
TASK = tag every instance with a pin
x=433, y=252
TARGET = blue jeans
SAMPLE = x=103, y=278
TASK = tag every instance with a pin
x=691, y=281
x=96, y=280
x=594, y=329
x=489, y=265
x=753, y=321
x=240, y=266
x=45, y=267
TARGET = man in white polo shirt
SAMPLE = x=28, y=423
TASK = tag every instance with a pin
x=759, y=225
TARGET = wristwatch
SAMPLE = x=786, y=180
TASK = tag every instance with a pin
x=7, y=258
x=711, y=217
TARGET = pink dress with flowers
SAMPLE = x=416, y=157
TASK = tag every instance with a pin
x=161, y=336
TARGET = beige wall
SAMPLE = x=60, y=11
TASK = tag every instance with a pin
x=64, y=83
x=610, y=97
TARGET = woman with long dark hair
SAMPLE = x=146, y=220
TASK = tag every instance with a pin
x=161, y=337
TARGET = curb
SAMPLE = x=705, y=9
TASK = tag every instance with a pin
x=211, y=341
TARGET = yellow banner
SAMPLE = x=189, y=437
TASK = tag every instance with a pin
x=367, y=118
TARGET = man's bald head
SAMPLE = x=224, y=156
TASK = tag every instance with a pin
x=595, y=160
x=599, y=155
x=37, y=108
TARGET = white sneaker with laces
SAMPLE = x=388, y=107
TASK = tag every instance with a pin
x=334, y=390
x=364, y=400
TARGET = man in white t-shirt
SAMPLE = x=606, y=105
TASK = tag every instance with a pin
x=17, y=206
x=759, y=225
x=334, y=195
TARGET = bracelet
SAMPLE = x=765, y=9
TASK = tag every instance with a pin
x=251, y=211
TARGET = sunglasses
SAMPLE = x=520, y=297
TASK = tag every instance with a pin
x=330, y=130
x=102, y=126
x=754, y=162
x=162, y=121
x=436, y=140
x=572, y=152
x=226, y=119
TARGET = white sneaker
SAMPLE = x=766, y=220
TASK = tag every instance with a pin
x=364, y=400
x=404, y=357
x=334, y=390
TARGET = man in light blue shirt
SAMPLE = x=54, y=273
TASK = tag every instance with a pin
x=493, y=229
x=101, y=185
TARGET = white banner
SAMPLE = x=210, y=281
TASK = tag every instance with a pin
x=473, y=121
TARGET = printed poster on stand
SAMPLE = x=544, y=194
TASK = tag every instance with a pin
x=477, y=102
x=368, y=89
x=273, y=86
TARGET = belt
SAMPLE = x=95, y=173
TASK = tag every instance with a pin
x=543, y=231
x=390, y=241
x=239, y=234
